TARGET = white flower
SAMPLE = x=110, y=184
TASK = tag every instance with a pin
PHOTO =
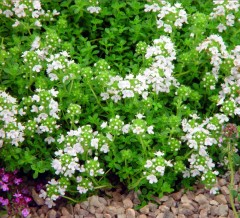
x=125, y=128
x=94, y=143
x=104, y=148
x=214, y=190
x=159, y=154
x=150, y=130
x=221, y=28
x=104, y=125
x=140, y=116
x=148, y=164
x=37, y=68
x=152, y=179
x=16, y=23
x=93, y=9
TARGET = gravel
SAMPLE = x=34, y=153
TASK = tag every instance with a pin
x=182, y=204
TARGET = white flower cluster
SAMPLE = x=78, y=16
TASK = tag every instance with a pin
x=45, y=110
x=168, y=15
x=77, y=145
x=198, y=137
x=11, y=131
x=94, y=8
x=138, y=126
x=156, y=167
x=216, y=48
x=20, y=9
x=158, y=76
x=224, y=10
x=229, y=96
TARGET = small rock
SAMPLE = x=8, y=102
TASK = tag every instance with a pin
x=130, y=195
x=41, y=216
x=163, y=199
x=236, y=178
x=66, y=216
x=76, y=216
x=99, y=215
x=214, y=210
x=70, y=209
x=174, y=210
x=168, y=214
x=121, y=216
x=181, y=216
x=161, y=215
x=145, y=209
x=110, y=210
x=203, y=213
x=222, y=210
x=77, y=207
x=201, y=199
x=65, y=212
x=93, y=201
x=220, y=199
x=130, y=213
x=204, y=207
x=213, y=202
x=117, y=196
x=39, y=201
x=106, y=215
x=92, y=210
x=102, y=201
x=142, y=216
x=186, y=209
x=191, y=195
x=82, y=212
x=170, y=202
x=177, y=196
x=152, y=207
x=225, y=190
x=163, y=208
x=185, y=199
x=127, y=203
x=222, y=182
x=84, y=205
x=52, y=214
x=120, y=210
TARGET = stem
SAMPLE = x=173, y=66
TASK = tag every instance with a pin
x=231, y=185
x=70, y=199
x=103, y=186
x=95, y=95
x=143, y=145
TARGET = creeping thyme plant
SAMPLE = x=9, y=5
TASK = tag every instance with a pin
x=95, y=94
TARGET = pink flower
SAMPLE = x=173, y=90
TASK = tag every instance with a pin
x=4, y=187
x=3, y=201
x=17, y=181
x=25, y=212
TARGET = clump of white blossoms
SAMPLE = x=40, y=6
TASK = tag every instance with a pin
x=217, y=50
x=199, y=136
x=229, y=97
x=169, y=16
x=94, y=8
x=44, y=110
x=76, y=161
x=224, y=11
x=155, y=167
x=11, y=131
x=158, y=77
x=18, y=10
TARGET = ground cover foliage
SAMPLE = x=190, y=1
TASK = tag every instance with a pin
x=143, y=94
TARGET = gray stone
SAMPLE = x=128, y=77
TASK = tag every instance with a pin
x=181, y=216
x=93, y=201
x=145, y=209
x=84, y=205
x=160, y=215
x=185, y=199
x=110, y=210
x=186, y=209
x=177, y=196
x=52, y=214
x=99, y=215
x=152, y=207
x=222, y=210
x=222, y=182
x=127, y=203
x=213, y=202
x=225, y=190
x=201, y=199
x=65, y=212
x=91, y=209
x=168, y=214
x=203, y=213
x=130, y=213
x=220, y=199
x=106, y=215
x=39, y=201
x=102, y=201
x=82, y=212
x=120, y=210
x=142, y=216
x=163, y=208
x=170, y=202
x=121, y=216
